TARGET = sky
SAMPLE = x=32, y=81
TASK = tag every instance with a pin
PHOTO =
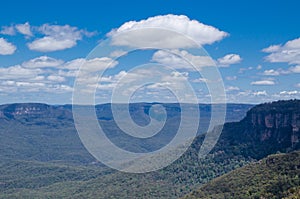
x=254, y=47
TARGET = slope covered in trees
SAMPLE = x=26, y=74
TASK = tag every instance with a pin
x=277, y=176
x=42, y=157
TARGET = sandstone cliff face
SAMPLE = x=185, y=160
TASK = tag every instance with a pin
x=34, y=110
x=276, y=122
x=23, y=109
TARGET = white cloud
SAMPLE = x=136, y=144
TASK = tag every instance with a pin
x=248, y=96
x=263, y=83
x=229, y=60
x=98, y=64
x=35, y=76
x=298, y=85
x=61, y=88
x=20, y=79
x=70, y=68
x=280, y=71
x=260, y=93
x=6, y=48
x=11, y=86
x=48, y=44
x=24, y=29
x=30, y=84
x=162, y=81
x=56, y=78
x=200, y=80
x=88, y=76
x=232, y=88
x=184, y=27
x=295, y=69
x=18, y=72
x=176, y=76
x=289, y=92
x=92, y=65
x=271, y=72
x=74, y=64
x=271, y=49
x=118, y=53
x=57, y=38
x=38, y=78
x=8, y=30
x=249, y=93
x=181, y=59
x=289, y=52
x=43, y=61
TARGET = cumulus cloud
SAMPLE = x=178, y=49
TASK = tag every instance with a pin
x=49, y=75
x=260, y=93
x=272, y=72
x=118, y=53
x=172, y=79
x=146, y=33
x=8, y=30
x=131, y=81
x=29, y=86
x=48, y=44
x=229, y=60
x=263, y=83
x=181, y=59
x=98, y=64
x=21, y=79
x=289, y=52
x=289, y=92
x=74, y=64
x=43, y=61
x=249, y=93
x=6, y=48
x=271, y=49
x=200, y=80
x=88, y=76
x=248, y=96
x=295, y=69
x=57, y=38
x=232, y=88
x=24, y=29
x=280, y=71
x=18, y=72
x=56, y=78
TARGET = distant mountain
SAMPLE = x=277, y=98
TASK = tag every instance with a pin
x=276, y=176
x=265, y=129
x=138, y=111
x=41, y=132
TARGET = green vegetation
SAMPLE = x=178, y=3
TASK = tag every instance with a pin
x=42, y=157
x=282, y=106
x=277, y=176
x=55, y=180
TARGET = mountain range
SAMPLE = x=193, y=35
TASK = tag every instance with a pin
x=42, y=156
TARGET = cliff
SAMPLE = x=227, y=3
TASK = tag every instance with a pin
x=267, y=128
x=278, y=120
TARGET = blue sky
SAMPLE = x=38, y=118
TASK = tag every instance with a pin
x=254, y=44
